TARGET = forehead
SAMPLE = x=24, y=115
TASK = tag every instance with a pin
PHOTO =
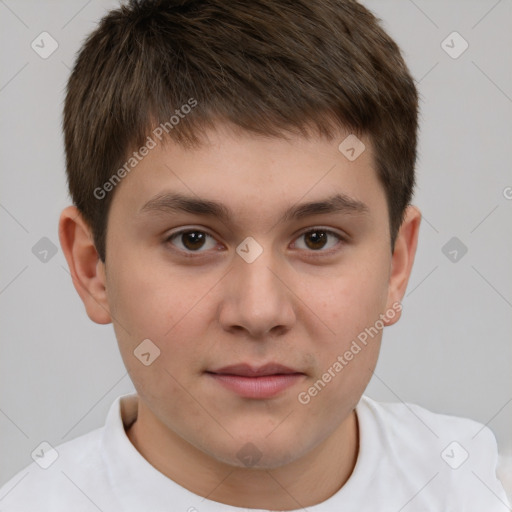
x=242, y=172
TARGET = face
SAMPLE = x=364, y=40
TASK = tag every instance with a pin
x=266, y=254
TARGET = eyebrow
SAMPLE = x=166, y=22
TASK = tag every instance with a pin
x=174, y=203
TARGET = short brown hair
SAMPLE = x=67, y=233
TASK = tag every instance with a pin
x=266, y=66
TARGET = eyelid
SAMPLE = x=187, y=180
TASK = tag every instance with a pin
x=343, y=238
x=168, y=238
x=329, y=230
x=186, y=229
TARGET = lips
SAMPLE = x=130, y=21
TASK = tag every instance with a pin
x=261, y=382
x=246, y=370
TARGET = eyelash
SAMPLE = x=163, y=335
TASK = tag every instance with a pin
x=319, y=253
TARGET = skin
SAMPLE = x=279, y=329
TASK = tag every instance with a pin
x=295, y=305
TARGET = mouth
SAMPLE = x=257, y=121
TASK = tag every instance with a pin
x=261, y=382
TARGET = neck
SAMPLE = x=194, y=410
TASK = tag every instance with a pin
x=304, y=482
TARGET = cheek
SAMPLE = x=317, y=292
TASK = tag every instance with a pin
x=351, y=308
x=164, y=306
x=347, y=352
x=346, y=358
x=353, y=301
x=151, y=303
x=150, y=298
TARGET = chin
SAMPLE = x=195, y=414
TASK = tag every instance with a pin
x=253, y=452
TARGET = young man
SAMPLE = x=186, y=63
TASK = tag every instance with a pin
x=241, y=174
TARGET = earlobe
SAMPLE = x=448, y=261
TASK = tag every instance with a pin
x=403, y=259
x=86, y=268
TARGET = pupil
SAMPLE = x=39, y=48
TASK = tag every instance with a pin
x=193, y=240
x=317, y=238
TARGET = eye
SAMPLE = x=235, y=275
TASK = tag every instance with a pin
x=192, y=240
x=318, y=239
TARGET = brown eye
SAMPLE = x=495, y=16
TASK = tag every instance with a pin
x=192, y=240
x=318, y=239
x=315, y=239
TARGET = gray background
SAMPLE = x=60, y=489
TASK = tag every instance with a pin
x=451, y=352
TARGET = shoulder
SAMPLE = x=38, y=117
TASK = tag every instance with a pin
x=410, y=422
x=457, y=456
x=59, y=477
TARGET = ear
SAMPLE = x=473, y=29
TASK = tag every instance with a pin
x=402, y=260
x=86, y=268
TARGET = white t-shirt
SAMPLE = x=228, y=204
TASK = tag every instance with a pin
x=410, y=460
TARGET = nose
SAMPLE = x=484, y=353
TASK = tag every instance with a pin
x=256, y=298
